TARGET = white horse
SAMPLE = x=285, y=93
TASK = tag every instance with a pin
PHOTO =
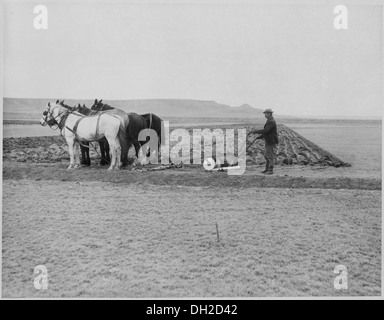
x=76, y=127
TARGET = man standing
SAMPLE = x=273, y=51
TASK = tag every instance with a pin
x=269, y=134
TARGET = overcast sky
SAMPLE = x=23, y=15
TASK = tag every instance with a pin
x=287, y=57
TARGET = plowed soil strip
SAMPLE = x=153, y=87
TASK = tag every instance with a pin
x=187, y=176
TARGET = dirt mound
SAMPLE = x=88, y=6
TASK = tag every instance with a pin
x=293, y=149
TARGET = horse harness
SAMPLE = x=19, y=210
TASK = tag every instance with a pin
x=74, y=130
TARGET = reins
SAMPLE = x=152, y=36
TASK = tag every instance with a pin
x=59, y=124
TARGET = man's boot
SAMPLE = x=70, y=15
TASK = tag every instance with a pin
x=270, y=169
x=266, y=168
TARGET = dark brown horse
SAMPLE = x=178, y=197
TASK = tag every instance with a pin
x=136, y=124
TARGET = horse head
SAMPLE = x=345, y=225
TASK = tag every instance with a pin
x=76, y=108
x=62, y=104
x=84, y=110
x=53, y=114
x=45, y=115
x=97, y=105
x=100, y=106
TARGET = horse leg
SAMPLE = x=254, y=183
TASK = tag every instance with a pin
x=154, y=155
x=107, y=151
x=144, y=154
x=87, y=156
x=83, y=156
x=118, y=155
x=85, y=159
x=124, y=152
x=148, y=149
x=129, y=145
x=159, y=150
x=112, y=157
x=115, y=148
x=71, y=153
x=77, y=155
x=111, y=149
x=104, y=151
x=137, y=149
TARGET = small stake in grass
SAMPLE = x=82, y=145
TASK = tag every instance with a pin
x=217, y=232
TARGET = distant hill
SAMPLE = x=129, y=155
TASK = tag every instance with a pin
x=18, y=108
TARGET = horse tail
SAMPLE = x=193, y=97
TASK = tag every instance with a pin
x=160, y=128
x=156, y=124
x=127, y=128
x=149, y=123
x=122, y=133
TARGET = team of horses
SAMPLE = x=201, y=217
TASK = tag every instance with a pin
x=115, y=130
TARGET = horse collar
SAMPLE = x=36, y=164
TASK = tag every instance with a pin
x=61, y=124
x=75, y=127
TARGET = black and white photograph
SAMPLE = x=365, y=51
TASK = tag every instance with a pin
x=165, y=149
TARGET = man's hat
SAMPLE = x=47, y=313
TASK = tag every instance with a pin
x=268, y=111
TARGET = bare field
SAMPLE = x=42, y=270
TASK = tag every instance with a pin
x=140, y=240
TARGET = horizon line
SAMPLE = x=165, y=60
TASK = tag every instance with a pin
x=330, y=117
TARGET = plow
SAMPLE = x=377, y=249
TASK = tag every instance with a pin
x=209, y=164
